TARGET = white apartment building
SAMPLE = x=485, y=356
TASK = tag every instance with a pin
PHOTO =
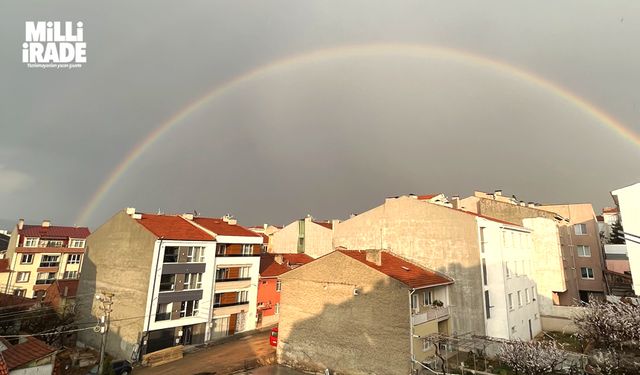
x=628, y=201
x=509, y=293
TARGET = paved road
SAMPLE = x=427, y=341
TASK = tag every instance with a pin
x=219, y=359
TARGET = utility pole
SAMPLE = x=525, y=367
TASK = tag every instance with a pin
x=107, y=300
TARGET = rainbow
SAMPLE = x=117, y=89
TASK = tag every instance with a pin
x=350, y=51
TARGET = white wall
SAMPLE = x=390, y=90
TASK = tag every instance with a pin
x=629, y=203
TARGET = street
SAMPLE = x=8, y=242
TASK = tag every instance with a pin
x=219, y=359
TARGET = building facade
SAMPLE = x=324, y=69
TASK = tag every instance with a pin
x=41, y=254
x=307, y=236
x=361, y=312
x=628, y=201
x=176, y=280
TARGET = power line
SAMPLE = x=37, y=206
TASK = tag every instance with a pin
x=47, y=334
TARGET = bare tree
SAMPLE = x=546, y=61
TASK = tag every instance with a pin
x=609, y=324
x=531, y=358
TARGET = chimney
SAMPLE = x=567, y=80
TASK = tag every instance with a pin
x=334, y=223
x=498, y=193
x=20, y=224
x=374, y=256
x=187, y=216
x=278, y=258
x=523, y=204
x=46, y=223
x=531, y=204
x=455, y=201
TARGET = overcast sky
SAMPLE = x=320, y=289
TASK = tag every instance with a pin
x=328, y=138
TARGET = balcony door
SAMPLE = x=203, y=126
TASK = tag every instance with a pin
x=220, y=328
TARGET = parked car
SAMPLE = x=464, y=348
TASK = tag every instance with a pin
x=273, y=338
x=119, y=368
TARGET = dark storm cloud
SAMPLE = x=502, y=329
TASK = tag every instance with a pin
x=328, y=139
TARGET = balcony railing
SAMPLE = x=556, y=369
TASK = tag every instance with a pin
x=163, y=316
x=238, y=255
x=48, y=281
x=219, y=304
x=432, y=313
x=49, y=264
x=223, y=279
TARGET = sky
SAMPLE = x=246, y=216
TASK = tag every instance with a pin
x=326, y=136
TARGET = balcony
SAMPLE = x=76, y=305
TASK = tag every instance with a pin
x=237, y=255
x=221, y=280
x=432, y=313
x=163, y=316
x=47, y=281
x=232, y=283
x=230, y=308
x=219, y=304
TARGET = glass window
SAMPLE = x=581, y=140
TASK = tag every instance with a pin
x=31, y=242
x=163, y=312
x=487, y=304
x=70, y=274
x=277, y=308
x=510, y=298
x=221, y=249
x=527, y=296
x=426, y=345
x=278, y=286
x=519, y=299
x=428, y=297
x=76, y=243
x=244, y=272
x=247, y=249
x=222, y=273
x=49, y=261
x=26, y=259
x=507, y=269
x=587, y=273
x=23, y=277
x=482, y=239
x=580, y=229
x=583, y=251
x=192, y=281
x=189, y=308
x=171, y=254
x=195, y=254
x=484, y=271
x=414, y=301
x=167, y=283
x=243, y=296
x=74, y=259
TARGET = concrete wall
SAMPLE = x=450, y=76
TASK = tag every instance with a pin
x=433, y=236
x=323, y=325
x=317, y=239
x=123, y=249
x=559, y=318
x=285, y=240
x=628, y=199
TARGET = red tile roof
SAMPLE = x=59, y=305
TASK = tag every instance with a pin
x=222, y=228
x=171, y=227
x=4, y=265
x=427, y=197
x=406, y=272
x=610, y=210
x=325, y=224
x=56, y=232
x=269, y=267
x=29, y=350
x=4, y=370
x=297, y=258
x=11, y=300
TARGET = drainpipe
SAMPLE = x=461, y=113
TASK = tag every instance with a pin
x=413, y=359
x=153, y=290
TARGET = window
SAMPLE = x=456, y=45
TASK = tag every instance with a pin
x=533, y=294
x=247, y=249
x=222, y=273
x=221, y=249
x=31, y=242
x=484, y=271
x=171, y=254
x=167, y=283
x=519, y=299
x=195, y=254
x=192, y=281
x=527, y=296
x=189, y=308
x=51, y=243
x=428, y=297
x=74, y=259
x=49, y=261
x=414, y=301
x=583, y=251
x=23, y=277
x=426, y=345
x=510, y=301
x=26, y=259
x=76, y=243
x=487, y=304
x=515, y=267
x=163, y=312
x=278, y=308
x=218, y=299
x=278, y=286
x=70, y=274
x=508, y=270
x=482, y=239
x=587, y=273
x=45, y=278
x=20, y=292
x=580, y=229
x=243, y=296
x=244, y=273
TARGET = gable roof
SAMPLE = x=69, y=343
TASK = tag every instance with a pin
x=296, y=258
x=427, y=196
x=269, y=267
x=406, y=272
x=328, y=225
x=57, y=232
x=172, y=227
x=30, y=349
x=222, y=228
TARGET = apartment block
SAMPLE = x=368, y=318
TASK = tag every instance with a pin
x=176, y=280
x=361, y=312
x=41, y=254
x=308, y=236
x=628, y=201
